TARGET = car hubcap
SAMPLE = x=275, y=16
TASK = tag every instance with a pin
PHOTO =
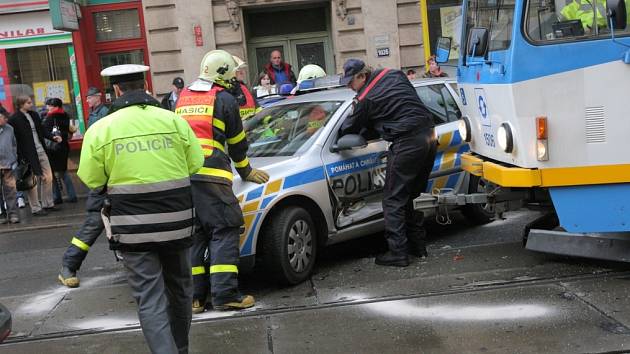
x=300, y=247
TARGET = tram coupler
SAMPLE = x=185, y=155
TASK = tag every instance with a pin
x=427, y=201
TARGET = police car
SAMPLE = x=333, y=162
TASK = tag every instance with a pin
x=323, y=190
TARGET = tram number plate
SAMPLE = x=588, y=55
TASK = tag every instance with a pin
x=489, y=139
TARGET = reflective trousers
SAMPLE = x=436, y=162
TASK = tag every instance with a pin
x=162, y=287
x=217, y=227
x=409, y=163
x=88, y=233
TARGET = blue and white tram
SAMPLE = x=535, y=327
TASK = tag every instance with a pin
x=547, y=115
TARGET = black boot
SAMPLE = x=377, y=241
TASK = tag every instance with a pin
x=417, y=249
x=390, y=258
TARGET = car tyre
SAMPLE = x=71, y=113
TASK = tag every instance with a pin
x=290, y=245
x=478, y=214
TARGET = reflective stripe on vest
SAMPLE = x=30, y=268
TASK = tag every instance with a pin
x=249, y=107
x=82, y=245
x=223, y=268
x=154, y=236
x=371, y=84
x=155, y=218
x=148, y=187
x=216, y=172
x=198, y=270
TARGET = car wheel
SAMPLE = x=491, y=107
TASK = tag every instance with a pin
x=290, y=245
x=479, y=213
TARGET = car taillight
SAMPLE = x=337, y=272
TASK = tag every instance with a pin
x=542, y=147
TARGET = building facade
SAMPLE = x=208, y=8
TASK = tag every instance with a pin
x=384, y=33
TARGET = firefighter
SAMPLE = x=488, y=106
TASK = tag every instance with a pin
x=143, y=156
x=213, y=114
x=92, y=225
x=246, y=101
x=387, y=104
x=307, y=73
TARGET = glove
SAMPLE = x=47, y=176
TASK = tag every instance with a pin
x=257, y=176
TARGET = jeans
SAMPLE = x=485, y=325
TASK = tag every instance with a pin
x=9, y=192
x=45, y=183
x=67, y=181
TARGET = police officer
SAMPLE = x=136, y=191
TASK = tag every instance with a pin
x=247, y=104
x=387, y=104
x=143, y=156
x=213, y=114
x=583, y=10
x=92, y=225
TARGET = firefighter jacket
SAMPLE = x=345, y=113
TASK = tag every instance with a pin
x=213, y=114
x=246, y=102
x=144, y=156
x=389, y=105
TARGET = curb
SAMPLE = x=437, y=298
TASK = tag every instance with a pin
x=36, y=227
x=53, y=224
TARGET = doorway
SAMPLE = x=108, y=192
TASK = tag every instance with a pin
x=301, y=33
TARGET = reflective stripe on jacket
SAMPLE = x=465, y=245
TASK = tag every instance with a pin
x=249, y=106
x=144, y=155
x=214, y=117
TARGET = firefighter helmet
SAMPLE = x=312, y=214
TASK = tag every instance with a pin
x=217, y=66
x=309, y=72
x=240, y=64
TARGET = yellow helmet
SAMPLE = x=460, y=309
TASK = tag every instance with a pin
x=217, y=66
x=240, y=64
x=309, y=72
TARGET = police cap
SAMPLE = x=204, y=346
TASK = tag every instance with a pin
x=125, y=73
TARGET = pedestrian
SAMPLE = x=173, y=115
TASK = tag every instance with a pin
x=29, y=135
x=97, y=109
x=279, y=72
x=92, y=226
x=169, y=101
x=8, y=162
x=246, y=102
x=411, y=74
x=434, y=69
x=219, y=217
x=143, y=156
x=264, y=86
x=387, y=103
x=57, y=123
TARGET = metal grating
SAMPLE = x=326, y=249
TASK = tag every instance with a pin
x=595, y=125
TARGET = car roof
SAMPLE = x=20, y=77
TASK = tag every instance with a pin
x=345, y=94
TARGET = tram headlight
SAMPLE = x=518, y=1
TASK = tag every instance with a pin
x=541, y=150
x=464, y=129
x=505, y=138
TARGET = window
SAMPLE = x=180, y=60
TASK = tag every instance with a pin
x=431, y=97
x=117, y=24
x=567, y=20
x=452, y=110
x=494, y=15
x=288, y=129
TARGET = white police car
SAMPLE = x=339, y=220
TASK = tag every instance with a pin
x=320, y=193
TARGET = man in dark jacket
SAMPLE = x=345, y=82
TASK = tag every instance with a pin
x=170, y=101
x=387, y=104
x=97, y=109
x=30, y=135
x=279, y=72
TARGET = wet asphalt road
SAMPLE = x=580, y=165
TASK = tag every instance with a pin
x=479, y=291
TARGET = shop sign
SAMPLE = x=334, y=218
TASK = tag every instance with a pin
x=26, y=25
x=64, y=14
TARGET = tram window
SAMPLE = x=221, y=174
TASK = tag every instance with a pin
x=496, y=16
x=566, y=20
x=432, y=98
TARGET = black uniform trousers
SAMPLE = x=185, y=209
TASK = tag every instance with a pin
x=90, y=230
x=217, y=229
x=409, y=163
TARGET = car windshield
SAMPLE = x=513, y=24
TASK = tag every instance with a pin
x=286, y=129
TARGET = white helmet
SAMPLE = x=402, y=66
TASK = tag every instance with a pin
x=240, y=64
x=309, y=72
x=217, y=66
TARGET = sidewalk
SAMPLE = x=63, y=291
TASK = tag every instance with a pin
x=69, y=214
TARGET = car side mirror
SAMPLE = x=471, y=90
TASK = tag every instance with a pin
x=348, y=142
x=443, y=50
x=477, y=42
x=616, y=13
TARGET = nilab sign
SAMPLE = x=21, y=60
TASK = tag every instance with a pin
x=27, y=28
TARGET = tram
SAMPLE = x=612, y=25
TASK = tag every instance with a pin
x=547, y=116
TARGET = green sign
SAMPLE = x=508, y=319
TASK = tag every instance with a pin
x=77, y=93
x=65, y=15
